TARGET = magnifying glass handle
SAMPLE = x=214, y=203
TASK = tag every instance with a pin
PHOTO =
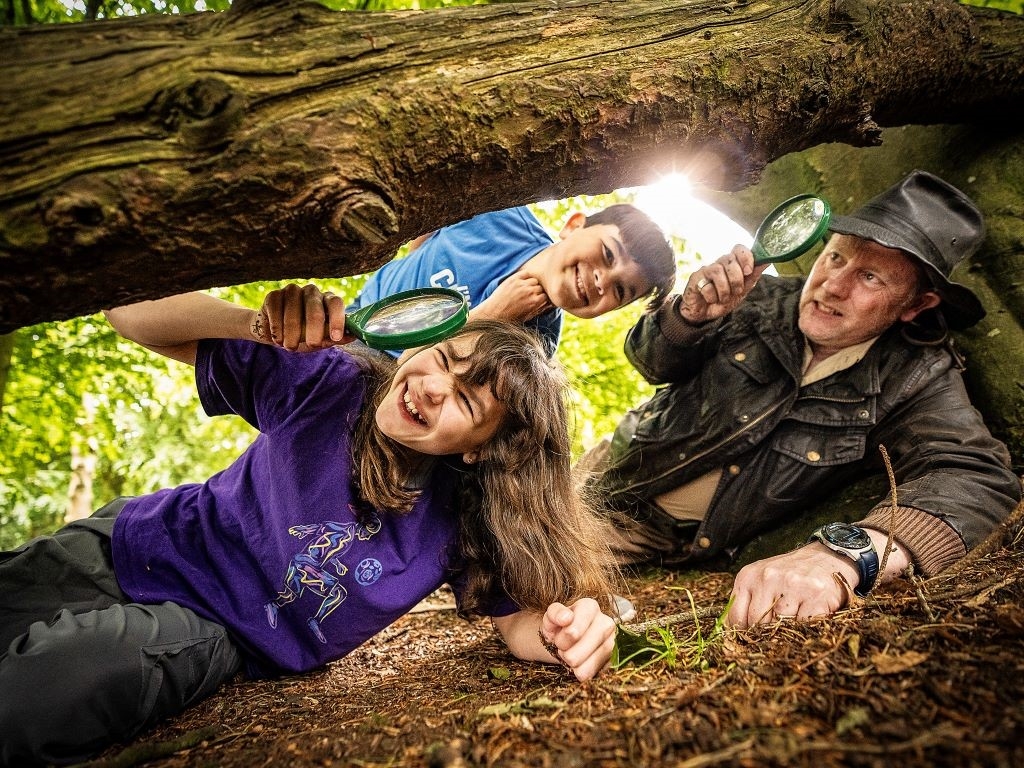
x=354, y=322
x=761, y=256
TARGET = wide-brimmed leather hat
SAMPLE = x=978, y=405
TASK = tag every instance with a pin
x=932, y=221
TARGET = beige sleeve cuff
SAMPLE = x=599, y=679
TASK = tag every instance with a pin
x=933, y=545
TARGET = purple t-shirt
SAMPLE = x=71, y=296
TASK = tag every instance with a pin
x=272, y=547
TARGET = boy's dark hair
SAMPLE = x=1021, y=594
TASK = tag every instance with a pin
x=645, y=243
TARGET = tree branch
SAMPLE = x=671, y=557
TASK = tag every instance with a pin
x=154, y=155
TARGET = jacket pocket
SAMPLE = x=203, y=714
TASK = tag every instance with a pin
x=668, y=415
x=807, y=462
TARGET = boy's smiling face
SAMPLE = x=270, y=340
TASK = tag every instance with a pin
x=588, y=272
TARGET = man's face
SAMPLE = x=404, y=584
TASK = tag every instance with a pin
x=428, y=410
x=857, y=289
x=588, y=272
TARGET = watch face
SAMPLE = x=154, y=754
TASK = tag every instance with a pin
x=846, y=536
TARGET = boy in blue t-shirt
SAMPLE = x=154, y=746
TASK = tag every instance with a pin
x=509, y=268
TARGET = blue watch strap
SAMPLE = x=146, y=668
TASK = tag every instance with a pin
x=867, y=565
x=837, y=537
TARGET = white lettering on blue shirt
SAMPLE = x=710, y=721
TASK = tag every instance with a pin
x=446, y=279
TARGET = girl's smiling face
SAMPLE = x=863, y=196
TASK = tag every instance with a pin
x=429, y=410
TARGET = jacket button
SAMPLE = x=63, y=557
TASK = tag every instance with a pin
x=863, y=414
x=739, y=357
x=813, y=456
x=682, y=456
x=703, y=542
x=744, y=418
x=733, y=469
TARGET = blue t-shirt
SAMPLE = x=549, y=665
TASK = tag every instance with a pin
x=472, y=257
x=273, y=547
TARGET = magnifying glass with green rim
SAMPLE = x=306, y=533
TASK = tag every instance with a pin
x=792, y=229
x=409, y=318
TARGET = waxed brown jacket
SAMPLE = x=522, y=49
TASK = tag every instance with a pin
x=730, y=398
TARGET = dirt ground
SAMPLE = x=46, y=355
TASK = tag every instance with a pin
x=925, y=673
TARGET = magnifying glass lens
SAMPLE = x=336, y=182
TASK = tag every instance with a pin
x=793, y=226
x=413, y=314
x=409, y=318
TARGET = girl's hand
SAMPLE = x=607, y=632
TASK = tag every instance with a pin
x=580, y=636
x=715, y=290
x=300, y=319
x=518, y=298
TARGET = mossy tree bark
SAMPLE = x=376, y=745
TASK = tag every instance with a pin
x=148, y=156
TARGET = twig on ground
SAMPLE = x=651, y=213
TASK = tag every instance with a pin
x=919, y=590
x=673, y=619
x=1009, y=531
x=895, y=506
x=143, y=753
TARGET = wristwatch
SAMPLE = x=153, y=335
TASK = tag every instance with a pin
x=854, y=543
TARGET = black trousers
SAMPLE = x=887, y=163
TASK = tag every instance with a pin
x=81, y=666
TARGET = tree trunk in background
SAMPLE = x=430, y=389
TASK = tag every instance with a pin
x=80, y=496
x=986, y=164
x=6, y=351
x=158, y=154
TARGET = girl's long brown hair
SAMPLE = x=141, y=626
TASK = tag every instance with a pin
x=524, y=529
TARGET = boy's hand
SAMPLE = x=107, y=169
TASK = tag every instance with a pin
x=300, y=319
x=518, y=298
x=580, y=636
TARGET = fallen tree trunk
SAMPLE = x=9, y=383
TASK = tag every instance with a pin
x=148, y=156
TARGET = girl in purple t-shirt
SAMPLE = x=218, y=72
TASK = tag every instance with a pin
x=371, y=484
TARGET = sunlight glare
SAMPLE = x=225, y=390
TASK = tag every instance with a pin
x=670, y=202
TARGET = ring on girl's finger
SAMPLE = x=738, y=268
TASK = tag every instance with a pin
x=701, y=283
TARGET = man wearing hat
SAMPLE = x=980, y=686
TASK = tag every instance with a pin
x=775, y=392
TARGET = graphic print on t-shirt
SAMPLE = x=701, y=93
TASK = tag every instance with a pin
x=446, y=279
x=318, y=568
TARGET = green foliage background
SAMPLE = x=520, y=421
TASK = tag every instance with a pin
x=1011, y=6
x=77, y=387
x=20, y=12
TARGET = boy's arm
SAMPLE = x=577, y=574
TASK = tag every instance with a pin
x=418, y=241
x=579, y=636
x=173, y=326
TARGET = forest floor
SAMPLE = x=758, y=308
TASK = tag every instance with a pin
x=924, y=673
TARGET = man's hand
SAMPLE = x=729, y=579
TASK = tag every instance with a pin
x=518, y=298
x=300, y=319
x=716, y=289
x=801, y=583
x=580, y=635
